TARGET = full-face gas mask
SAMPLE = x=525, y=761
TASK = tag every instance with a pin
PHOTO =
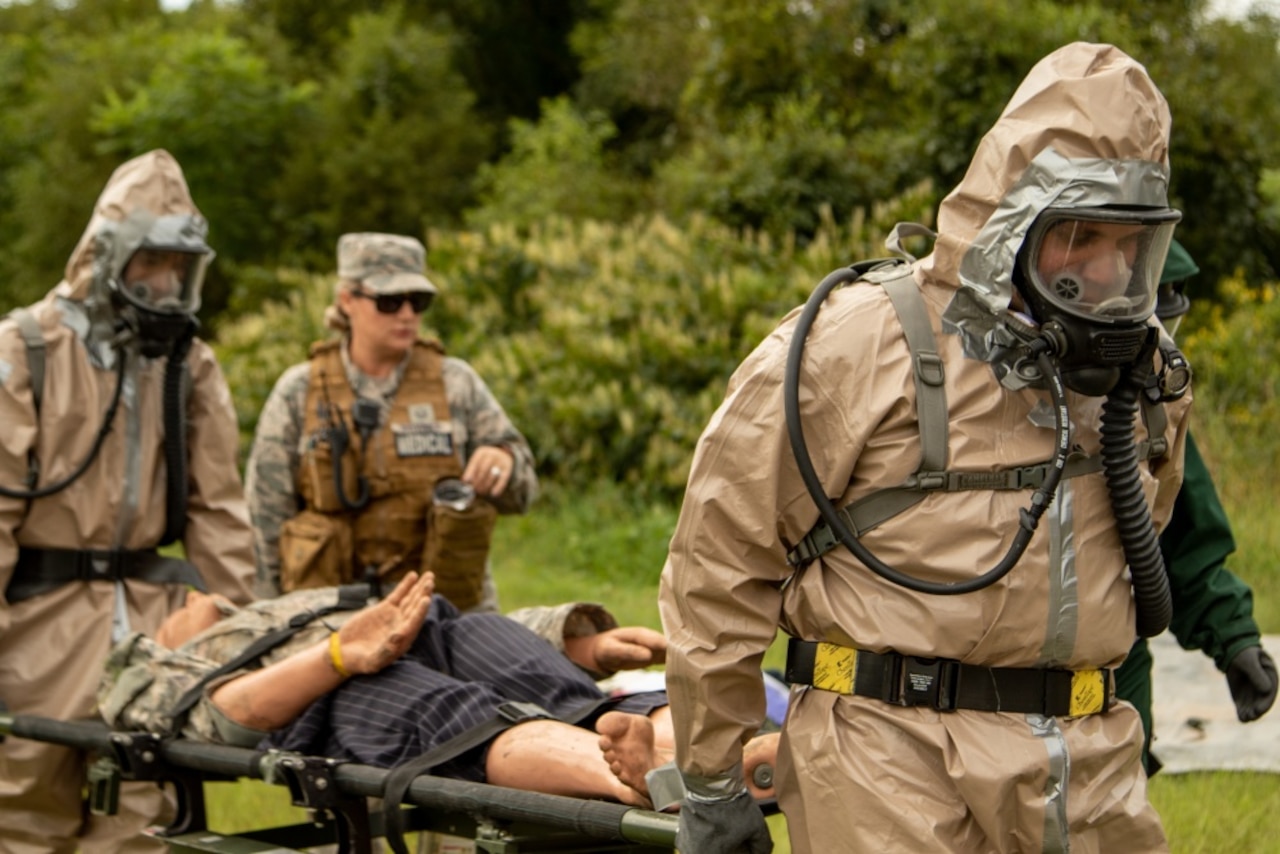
x=156, y=291
x=1089, y=276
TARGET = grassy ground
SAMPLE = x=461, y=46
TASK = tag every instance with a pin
x=1248, y=491
x=600, y=547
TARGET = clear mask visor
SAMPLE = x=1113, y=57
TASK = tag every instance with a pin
x=1102, y=264
x=165, y=281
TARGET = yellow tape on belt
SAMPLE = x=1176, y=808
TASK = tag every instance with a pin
x=1088, y=692
x=834, y=667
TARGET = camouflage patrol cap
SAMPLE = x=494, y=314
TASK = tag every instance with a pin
x=383, y=263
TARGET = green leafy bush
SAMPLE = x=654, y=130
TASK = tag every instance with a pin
x=772, y=169
x=556, y=165
x=256, y=348
x=1234, y=347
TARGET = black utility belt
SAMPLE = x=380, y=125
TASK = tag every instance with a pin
x=945, y=684
x=40, y=571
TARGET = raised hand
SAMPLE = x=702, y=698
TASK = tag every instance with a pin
x=381, y=633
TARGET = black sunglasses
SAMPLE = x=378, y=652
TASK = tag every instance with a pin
x=419, y=301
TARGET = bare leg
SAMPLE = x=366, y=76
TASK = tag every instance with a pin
x=557, y=759
x=560, y=759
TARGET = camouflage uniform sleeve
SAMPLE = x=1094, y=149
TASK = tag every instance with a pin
x=271, y=474
x=570, y=620
x=143, y=681
x=478, y=419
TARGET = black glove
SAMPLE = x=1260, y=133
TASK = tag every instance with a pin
x=1251, y=675
x=735, y=826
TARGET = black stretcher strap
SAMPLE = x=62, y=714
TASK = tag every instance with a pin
x=40, y=571
x=509, y=714
x=351, y=597
x=945, y=684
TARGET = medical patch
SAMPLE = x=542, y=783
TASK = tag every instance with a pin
x=423, y=440
x=422, y=413
x=5, y=369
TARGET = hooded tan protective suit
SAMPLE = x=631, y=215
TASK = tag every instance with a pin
x=52, y=646
x=1087, y=127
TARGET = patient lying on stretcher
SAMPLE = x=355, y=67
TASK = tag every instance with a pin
x=384, y=683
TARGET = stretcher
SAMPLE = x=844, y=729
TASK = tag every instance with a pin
x=499, y=819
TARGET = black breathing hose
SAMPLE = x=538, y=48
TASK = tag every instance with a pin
x=1152, y=598
x=1028, y=518
x=175, y=439
x=107, y=420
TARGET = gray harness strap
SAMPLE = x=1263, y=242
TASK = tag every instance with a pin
x=871, y=510
x=930, y=380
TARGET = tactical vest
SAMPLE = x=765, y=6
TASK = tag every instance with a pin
x=871, y=510
x=404, y=457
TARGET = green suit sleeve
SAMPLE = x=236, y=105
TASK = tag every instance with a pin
x=1212, y=608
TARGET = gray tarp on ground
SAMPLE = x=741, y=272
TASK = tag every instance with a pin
x=1195, y=720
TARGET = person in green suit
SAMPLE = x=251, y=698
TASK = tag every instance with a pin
x=1212, y=608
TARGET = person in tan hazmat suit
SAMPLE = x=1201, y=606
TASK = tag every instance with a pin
x=96, y=381
x=952, y=633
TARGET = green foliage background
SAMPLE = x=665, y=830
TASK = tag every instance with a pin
x=620, y=198
x=298, y=120
x=608, y=344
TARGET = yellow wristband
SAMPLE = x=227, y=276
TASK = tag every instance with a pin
x=335, y=655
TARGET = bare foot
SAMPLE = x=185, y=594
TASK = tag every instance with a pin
x=627, y=742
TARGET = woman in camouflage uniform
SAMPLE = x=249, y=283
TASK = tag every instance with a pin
x=352, y=443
